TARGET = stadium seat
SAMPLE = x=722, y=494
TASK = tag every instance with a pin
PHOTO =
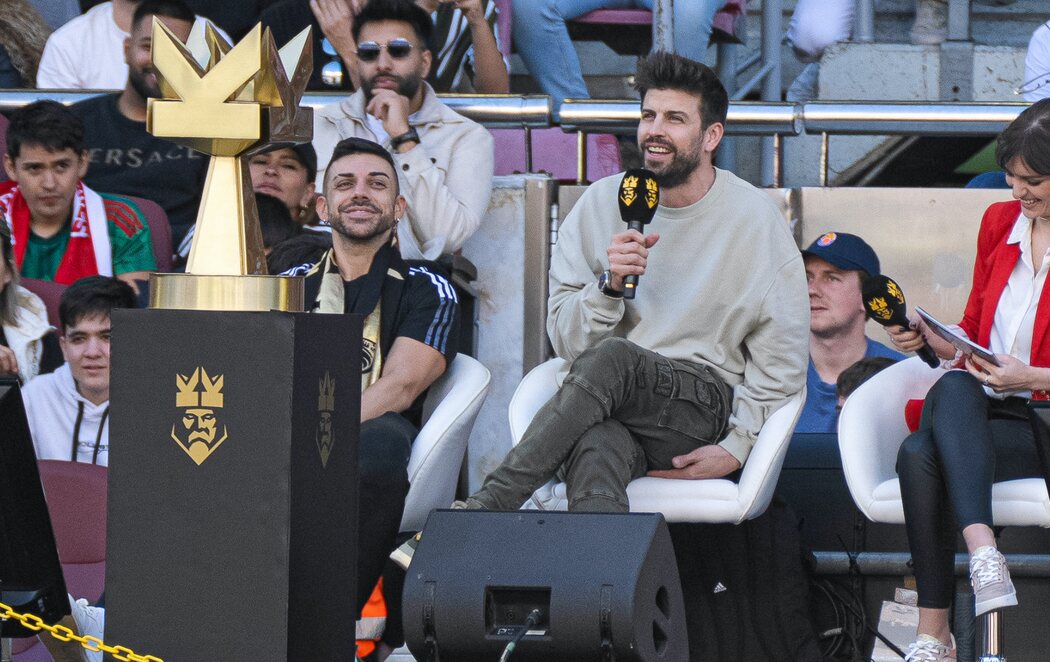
x=76, y=501
x=554, y=152
x=159, y=231
x=50, y=293
x=698, y=501
x=449, y=412
x=612, y=24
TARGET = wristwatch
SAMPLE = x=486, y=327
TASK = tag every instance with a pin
x=406, y=137
x=603, y=284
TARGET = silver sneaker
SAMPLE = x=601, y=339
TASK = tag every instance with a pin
x=992, y=588
x=928, y=649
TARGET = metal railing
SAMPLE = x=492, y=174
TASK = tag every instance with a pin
x=747, y=118
x=494, y=111
x=824, y=118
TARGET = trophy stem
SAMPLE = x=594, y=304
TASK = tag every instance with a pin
x=227, y=266
x=227, y=241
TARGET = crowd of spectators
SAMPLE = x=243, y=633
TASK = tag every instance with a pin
x=394, y=179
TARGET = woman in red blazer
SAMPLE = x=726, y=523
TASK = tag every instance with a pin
x=975, y=427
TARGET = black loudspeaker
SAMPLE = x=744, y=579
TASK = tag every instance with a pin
x=30, y=575
x=606, y=587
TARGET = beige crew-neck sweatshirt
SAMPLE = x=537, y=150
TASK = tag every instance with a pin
x=724, y=287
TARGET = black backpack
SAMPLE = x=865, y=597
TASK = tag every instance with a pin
x=746, y=589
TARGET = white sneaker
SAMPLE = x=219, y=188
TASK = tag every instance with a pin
x=929, y=649
x=91, y=621
x=992, y=588
x=931, y=22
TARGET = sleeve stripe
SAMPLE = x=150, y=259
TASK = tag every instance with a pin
x=441, y=326
x=123, y=216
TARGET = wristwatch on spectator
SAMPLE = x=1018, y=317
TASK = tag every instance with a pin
x=603, y=284
x=406, y=137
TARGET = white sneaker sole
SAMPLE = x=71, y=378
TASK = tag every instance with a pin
x=1008, y=600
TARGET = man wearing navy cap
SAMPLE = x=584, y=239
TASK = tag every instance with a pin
x=836, y=265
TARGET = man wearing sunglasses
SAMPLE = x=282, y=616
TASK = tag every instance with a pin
x=444, y=160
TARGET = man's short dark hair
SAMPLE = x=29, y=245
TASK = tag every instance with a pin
x=661, y=70
x=405, y=11
x=1028, y=137
x=858, y=373
x=350, y=146
x=46, y=124
x=94, y=296
x=305, y=248
x=275, y=220
x=176, y=9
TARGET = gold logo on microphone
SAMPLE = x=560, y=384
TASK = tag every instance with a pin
x=879, y=308
x=629, y=190
x=652, y=193
x=894, y=291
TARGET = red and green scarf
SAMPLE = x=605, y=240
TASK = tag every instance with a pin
x=88, y=252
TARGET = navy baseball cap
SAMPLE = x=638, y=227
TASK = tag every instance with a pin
x=845, y=251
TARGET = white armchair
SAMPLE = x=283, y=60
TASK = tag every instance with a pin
x=710, y=501
x=871, y=430
x=449, y=412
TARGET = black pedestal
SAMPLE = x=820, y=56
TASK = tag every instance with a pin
x=232, y=516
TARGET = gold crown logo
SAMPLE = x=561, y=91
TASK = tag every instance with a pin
x=630, y=183
x=652, y=196
x=199, y=390
x=326, y=400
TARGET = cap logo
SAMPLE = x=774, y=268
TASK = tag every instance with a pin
x=826, y=239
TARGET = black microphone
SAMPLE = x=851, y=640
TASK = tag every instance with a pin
x=639, y=196
x=884, y=302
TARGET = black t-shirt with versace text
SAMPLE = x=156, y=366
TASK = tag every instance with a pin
x=127, y=160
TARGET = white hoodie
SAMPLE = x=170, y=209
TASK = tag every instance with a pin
x=53, y=407
x=25, y=336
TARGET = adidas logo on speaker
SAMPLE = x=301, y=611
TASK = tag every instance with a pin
x=720, y=588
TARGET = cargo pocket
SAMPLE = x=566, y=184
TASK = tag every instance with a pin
x=697, y=405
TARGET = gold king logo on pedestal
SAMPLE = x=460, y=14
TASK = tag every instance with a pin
x=228, y=102
x=199, y=397
x=325, y=437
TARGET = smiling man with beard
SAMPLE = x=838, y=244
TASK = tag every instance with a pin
x=677, y=382
x=409, y=335
x=125, y=158
x=443, y=160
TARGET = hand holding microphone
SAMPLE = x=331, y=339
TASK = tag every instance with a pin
x=884, y=303
x=638, y=198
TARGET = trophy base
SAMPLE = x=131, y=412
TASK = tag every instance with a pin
x=231, y=293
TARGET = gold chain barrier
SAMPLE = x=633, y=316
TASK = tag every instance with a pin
x=62, y=633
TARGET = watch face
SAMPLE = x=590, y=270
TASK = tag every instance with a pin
x=603, y=281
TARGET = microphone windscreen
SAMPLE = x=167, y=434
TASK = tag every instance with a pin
x=884, y=301
x=639, y=196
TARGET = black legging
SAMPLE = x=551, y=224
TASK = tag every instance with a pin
x=382, y=474
x=965, y=442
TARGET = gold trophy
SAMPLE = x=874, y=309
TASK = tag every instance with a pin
x=229, y=102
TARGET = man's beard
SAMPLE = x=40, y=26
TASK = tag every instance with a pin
x=138, y=79
x=681, y=167
x=383, y=224
x=407, y=86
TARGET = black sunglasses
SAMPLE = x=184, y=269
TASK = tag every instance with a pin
x=398, y=49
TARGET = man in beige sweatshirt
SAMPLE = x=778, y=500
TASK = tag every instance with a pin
x=677, y=382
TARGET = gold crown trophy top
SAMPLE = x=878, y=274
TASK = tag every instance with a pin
x=229, y=102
